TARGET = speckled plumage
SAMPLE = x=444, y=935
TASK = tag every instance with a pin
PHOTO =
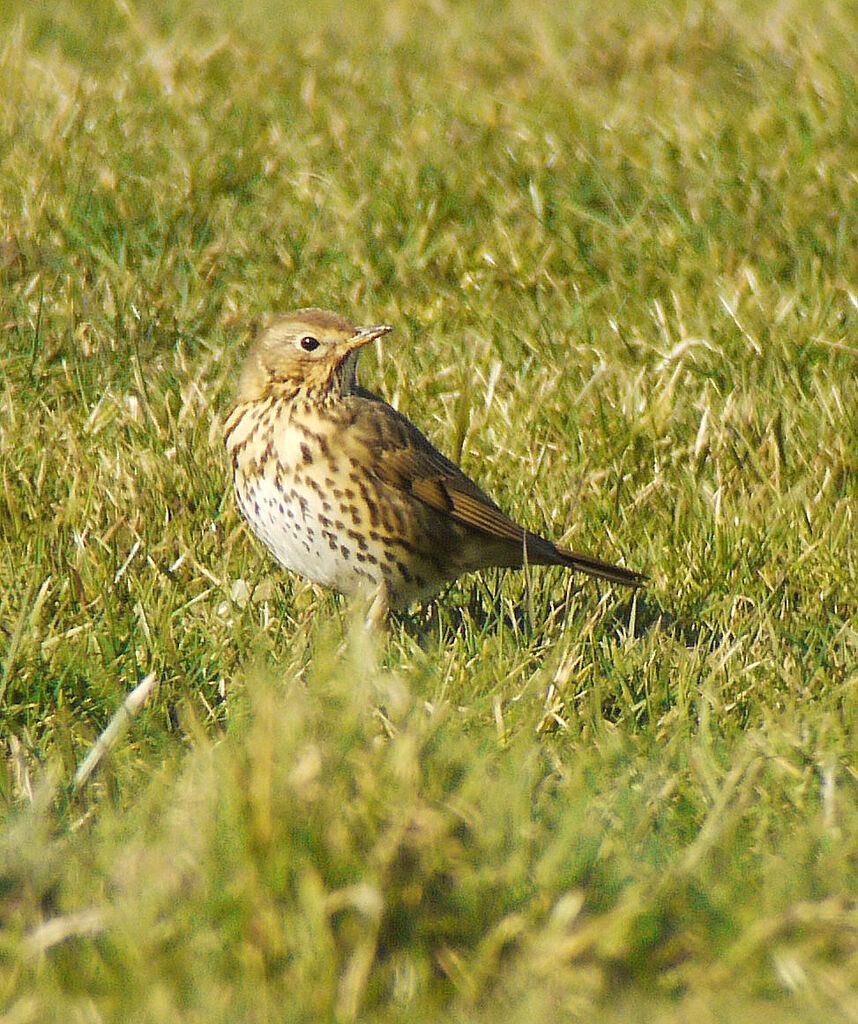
x=345, y=491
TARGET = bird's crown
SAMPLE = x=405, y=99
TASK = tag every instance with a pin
x=308, y=350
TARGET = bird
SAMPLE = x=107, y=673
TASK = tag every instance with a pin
x=345, y=491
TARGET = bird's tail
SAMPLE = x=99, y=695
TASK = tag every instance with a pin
x=543, y=552
x=601, y=570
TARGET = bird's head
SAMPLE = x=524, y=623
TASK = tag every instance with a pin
x=309, y=351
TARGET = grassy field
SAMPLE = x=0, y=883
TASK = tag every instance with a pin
x=618, y=244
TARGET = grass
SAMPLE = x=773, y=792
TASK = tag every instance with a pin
x=619, y=251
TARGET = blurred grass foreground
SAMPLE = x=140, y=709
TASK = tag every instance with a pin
x=618, y=245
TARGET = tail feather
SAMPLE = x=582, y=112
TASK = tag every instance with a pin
x=601, y=570
x=543, y=552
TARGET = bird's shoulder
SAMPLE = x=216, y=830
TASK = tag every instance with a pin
x=394, y=441
x=401, y=456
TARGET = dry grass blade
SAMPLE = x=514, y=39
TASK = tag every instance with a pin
x=116, y=729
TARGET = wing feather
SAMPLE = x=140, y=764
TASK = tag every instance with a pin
x=403, y=458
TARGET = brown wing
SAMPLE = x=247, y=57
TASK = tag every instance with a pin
x=402, y=457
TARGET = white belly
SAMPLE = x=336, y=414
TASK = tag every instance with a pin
x=307, y=535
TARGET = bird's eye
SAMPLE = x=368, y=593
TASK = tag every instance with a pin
x=309, y=343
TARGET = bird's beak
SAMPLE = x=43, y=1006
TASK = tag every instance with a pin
x=365, y=335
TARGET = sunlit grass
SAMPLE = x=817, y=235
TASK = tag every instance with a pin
x=619, y=252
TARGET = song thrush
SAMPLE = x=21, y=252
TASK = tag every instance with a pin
x=346, y=491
